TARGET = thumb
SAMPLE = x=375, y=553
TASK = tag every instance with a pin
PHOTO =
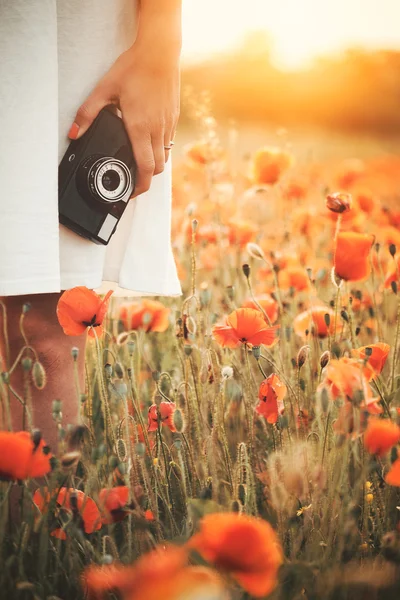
x=87, y=112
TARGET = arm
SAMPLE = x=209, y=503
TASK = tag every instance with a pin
x=144, y=82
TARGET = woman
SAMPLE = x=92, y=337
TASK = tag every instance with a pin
x=62, y=62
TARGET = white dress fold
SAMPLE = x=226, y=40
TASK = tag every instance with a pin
x=52, y=54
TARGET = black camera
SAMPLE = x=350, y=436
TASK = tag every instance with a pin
x=96, y=178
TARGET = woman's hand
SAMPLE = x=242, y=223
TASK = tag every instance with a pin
x=144, y=82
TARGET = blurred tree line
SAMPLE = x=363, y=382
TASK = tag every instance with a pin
x=358, y=90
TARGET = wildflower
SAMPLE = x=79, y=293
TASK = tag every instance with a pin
x=271, y=394
x=244, y=547
x=393, y=476
x=23, y=455
x=294, y=277
x=114, y=502
x=351, y=261
x=157, y=574
x=351, y=421
x=240, y=232
x=227, y=372
x=244, y=326
x=269, y=164
x=347, y=378
x=380, y=436
x=339, y=202
x=164, y=413
x=149, y=315
x=375, y=355
x=267, y=302
x=80, y=308
x=73, y=504
x=203, y=152
x=315, y=322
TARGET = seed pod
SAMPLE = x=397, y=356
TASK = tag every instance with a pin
x=393, y=285
x=119, y=371
x=187, y=349
x=108, y=370
x=26, y=307
x=5, y=377
x=75, y=352
x=345, y=316
x=324, y=359
x=392, y=249
x=26, y=364
x=256, y=351
x=38, y=375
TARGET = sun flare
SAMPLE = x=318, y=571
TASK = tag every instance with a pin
x=300, y=30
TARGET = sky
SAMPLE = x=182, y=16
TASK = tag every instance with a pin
x=300, y=29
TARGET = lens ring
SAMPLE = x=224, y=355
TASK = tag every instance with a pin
x=99, y=170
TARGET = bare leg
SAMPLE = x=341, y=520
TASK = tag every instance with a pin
x=53, y=347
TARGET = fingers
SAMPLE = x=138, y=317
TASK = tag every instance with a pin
x=88, y=111
x=144, y=157
x=168, y=141
x=158, y=150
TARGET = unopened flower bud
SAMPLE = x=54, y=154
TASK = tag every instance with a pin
x=302, y=356
x=255, y=251
x=26, y=307
x=26, y=363
x=38, y=375
x=156, y=375
x=339, y=202
x=392, y=249
x=324, y=359
x=36, y=436
x=246, y=270
x=131, y=347
x=5, y=377
x=195, y=224
x=178, y=420
x=188, y=349
x=75, y=352
x=345, y=316
x=119, y=371
x=256, y=351
x=106, y=559
x=108, y=370
x=393, y=285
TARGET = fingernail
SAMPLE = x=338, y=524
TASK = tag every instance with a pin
x=73, y=132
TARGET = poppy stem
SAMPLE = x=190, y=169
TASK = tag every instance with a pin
x=395, y=349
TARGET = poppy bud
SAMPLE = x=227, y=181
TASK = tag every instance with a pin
x=339, y=202
x=194, y=225
x=256, y=351
x=392, y=249
x=187, y=349
x=74, y=352
x=393, y=285
x=36, y=436
x=246, y=270
x=108, y=370
x=119, y=371
x=178, y=420
x=26, y=307
x=155, y=375
x=5, y=377
x=106, y=559
x=140, y=449
x=56, y=406
x=368, y=351
x=344, y=315
x=254, y=250
x=377, y=247
x=131, y=347
x=38, y=375
x=26, y=363
x=302, y=356
x=325, y=358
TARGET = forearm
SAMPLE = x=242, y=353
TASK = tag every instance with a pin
x=160, y=27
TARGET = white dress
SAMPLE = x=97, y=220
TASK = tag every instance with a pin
x=52, y=54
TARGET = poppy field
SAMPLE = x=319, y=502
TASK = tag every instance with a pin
x=240, y=441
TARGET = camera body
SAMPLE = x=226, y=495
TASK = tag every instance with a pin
x=96, y=178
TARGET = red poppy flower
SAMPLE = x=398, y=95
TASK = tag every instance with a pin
x=80, y=308
x=73, y=503
x=347, y=378
x=267, y=302
x=244, y=326
x=375, y=356
x=114, y=502
x=294, y=277
x=393, y=476
x=149, y=315
x=352, y=255
x=314, y=321
x=240, y=233
x=271, y=394
x=165, y=411
x=380, y=436
x=269, y=164
x=339, y=202
x=158, y=574
x=22, y=456
x=244, y=547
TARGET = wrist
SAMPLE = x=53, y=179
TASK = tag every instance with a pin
x=160, y=32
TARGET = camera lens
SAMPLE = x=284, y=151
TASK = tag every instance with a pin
x=111, y=180
x=104, y=178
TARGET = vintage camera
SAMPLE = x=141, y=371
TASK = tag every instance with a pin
x=96, y=178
